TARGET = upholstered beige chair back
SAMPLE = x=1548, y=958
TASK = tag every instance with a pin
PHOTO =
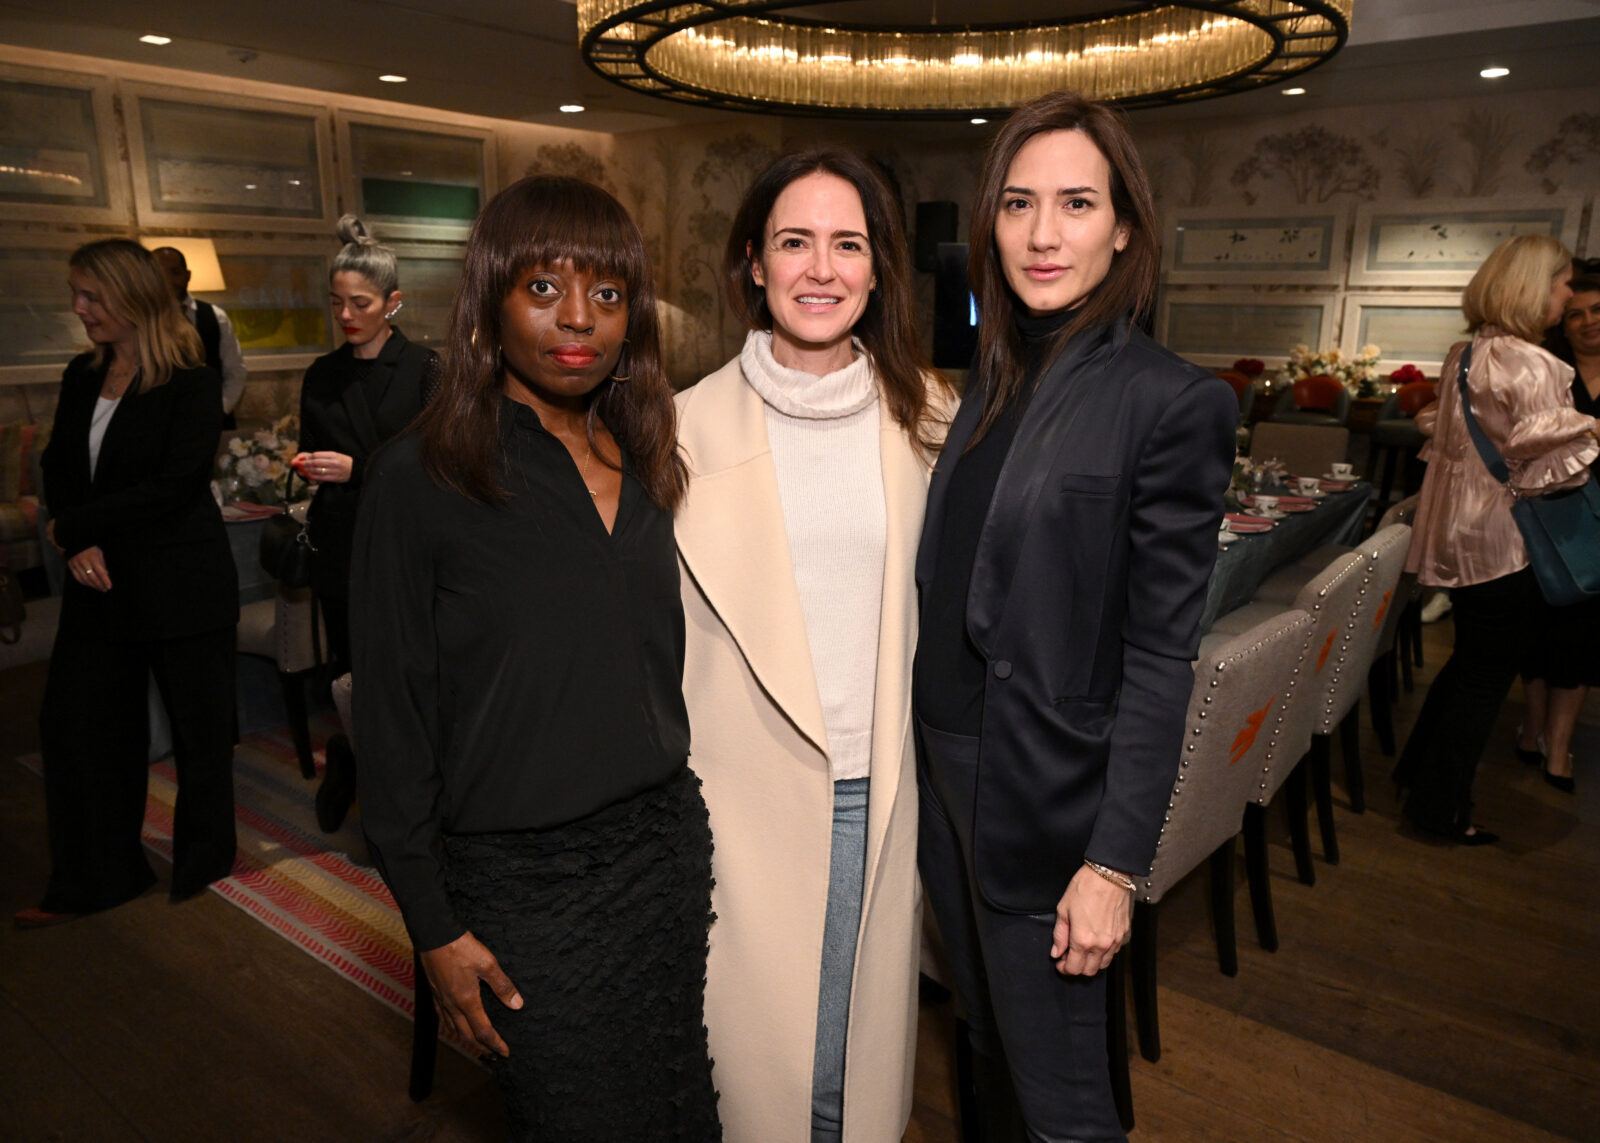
x=1328, y=597
x=280, y=629
x=1308, y=450
x=1239, y=688
x=1342, y=682
x=341, y=703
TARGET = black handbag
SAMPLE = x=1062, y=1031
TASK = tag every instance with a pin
x=286, y=549
x=1561, y=530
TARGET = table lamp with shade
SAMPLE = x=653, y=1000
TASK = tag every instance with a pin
x=205, y=271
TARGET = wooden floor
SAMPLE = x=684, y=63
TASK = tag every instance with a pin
x=1422, y=992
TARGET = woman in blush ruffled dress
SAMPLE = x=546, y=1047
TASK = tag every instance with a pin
x=1464, y=537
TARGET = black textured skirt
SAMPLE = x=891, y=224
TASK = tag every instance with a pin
x=602, y=925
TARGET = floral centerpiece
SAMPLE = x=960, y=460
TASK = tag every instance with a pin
x=1406, y=374
x=1251, y=367
x=253, y=467
x=1358, y=374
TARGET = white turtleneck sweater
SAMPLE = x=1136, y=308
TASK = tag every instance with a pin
x=824, y=437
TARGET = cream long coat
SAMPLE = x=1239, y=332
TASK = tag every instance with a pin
x=759, y=746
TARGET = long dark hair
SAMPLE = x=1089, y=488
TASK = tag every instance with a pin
x=1129, y=287
x=539, y=222
x=887, y=327
x=1585, y=280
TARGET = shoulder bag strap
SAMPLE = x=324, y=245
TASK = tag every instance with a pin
x=1491, y=455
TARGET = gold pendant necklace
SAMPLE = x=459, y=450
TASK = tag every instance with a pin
x=583, y=472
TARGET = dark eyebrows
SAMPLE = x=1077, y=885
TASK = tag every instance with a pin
x=1064, y=192
x=805, y=232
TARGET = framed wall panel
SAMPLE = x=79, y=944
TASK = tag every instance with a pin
x=1217, y=327
x=1411, y=329
x=226, y=161
x=1442, y=242
x=277, y=300
x=429, y=279
x=39, y=333
x=58, y=148
x=415, y=180
x=1229, y=247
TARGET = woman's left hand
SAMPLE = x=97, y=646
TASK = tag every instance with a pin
x=324, y=467
x=1092, y=923
x=88, y=567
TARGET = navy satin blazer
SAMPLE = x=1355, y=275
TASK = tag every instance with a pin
x=1087, y=587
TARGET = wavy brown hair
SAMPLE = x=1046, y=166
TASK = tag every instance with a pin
x=134, y=288
x=1128, y=288
x=887, y=327
x=542, y=221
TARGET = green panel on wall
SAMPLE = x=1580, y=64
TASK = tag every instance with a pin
x=404, y=198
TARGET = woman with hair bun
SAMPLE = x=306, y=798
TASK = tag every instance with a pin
x=353, y=400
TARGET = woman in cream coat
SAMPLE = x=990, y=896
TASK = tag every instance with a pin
x=809, y=459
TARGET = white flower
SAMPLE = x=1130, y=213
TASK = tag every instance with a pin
x=1371, y=352
x=238, y=447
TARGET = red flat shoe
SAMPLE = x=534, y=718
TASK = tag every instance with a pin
x=37, y=918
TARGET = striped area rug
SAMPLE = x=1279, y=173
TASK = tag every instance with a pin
x=310, y=888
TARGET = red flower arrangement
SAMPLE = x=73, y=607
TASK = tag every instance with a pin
x=1407, y=374
x=1250, y=367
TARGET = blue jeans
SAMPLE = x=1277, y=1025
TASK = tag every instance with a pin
x=846, y=873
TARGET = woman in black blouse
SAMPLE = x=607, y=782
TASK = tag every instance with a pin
x=352, y=400
x=153, y=593
x=1565, y=661
x=519, y=656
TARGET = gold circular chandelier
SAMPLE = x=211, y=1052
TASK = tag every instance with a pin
x=738, y=54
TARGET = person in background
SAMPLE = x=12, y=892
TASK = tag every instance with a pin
x=519, y=654
x=1464, y=537
x=352, y=400
x=809, y=457
x=153, y=592
x=1069, y=541
x=1564, y=661
x=211, y=322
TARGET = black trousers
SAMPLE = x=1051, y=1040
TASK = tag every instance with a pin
x=94, y=726
x=1050, y=1029
x=1494, y=622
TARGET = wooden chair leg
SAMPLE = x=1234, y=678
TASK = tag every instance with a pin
x=1259, y=875
x=1117, y=1038
x=294, y=701
x=1222, y=908
x=1294, y=802
x=1322, y=790
x=1355, y=780
x=424, y=1035
x=1142, y=946
x=1382, y=714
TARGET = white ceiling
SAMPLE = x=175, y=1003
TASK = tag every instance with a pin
x=518, y=59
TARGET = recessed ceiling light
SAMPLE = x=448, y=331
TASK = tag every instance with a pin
x=572, y=108
x=158, y=41
x=294, y=182
x=979, y=121
x=391, y=79
x=1494, y=72
x=249, y=186
x=1294, y=91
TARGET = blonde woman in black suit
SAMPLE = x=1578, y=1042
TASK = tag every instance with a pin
x=153, y=591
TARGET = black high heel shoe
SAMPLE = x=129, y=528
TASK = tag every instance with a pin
x=1562, y=782
x=1529, y=757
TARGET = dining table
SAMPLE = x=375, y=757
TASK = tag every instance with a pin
x=1241, y=567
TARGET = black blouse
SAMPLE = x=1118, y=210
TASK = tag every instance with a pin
x=516, y=667
x=951, y=672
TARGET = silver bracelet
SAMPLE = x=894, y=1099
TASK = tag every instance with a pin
x=1111, y=875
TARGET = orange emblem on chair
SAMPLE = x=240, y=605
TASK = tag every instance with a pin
x=1383, y=608
x=1322, y=659
x=1247, y=736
